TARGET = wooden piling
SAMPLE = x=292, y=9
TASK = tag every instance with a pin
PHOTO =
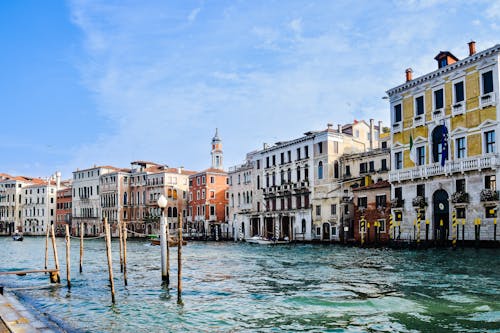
x=68, y=255
x=179, y=260
x=495, y=229
x=454, y=229
x=124, y=236
x=120, y=238
x=81, y=247
x=47, y=247
x=54, y=247
x=108, y=253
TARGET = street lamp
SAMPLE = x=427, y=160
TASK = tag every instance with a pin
x=165, y=274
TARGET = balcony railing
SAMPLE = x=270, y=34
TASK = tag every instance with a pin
x=438, y=114
x=426, y=171
x=487, y=100
x=458, y=108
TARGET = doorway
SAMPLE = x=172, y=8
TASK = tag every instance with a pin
x=441, y=215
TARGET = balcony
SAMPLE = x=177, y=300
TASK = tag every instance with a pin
x=469, y=164
x=487, y=100
x=419, y=120
x=438, y=114
x=458, y=108
x=397, y=127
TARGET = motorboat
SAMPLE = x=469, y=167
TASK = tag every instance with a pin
x=171, y=241
x=266, y=241
x=17, y=237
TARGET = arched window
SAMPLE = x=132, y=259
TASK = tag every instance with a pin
x=274, y=178
x=298, y=173
x=169, y=212
x=174, y=212
x=175, y=194
x=303, y=225
x=289, y=175
x=437, y=142
x=320, y=170
x=336, y=169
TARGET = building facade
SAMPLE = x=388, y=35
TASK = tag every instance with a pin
x=64, y=209
x=208, y=197
x=444, y=152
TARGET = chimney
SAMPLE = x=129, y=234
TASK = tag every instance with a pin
x=179, y=169
x=329, y=126
x=472, y=47
x=372, y=133
x=339, y=128
x=379, y=133
x=409, y=74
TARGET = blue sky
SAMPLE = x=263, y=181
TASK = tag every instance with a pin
x=110, y=82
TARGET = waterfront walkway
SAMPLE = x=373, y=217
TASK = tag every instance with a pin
x=15, y=318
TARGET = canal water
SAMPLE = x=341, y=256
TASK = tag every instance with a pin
x=238, y=287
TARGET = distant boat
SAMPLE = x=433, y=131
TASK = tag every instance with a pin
x=171, y=241
x=17, y=237
x=266, y=241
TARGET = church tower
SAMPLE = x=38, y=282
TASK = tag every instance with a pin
x=217, y=151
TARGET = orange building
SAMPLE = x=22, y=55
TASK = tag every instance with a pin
x=63, y=211
x=208, y=197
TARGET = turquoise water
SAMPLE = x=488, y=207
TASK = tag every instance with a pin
x=238, y=287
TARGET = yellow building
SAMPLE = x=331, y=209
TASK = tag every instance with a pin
x=444, y=156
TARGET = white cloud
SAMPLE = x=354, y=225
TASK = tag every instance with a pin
x=192, y=15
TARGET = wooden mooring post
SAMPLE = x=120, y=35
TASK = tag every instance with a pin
x=68, y=256
x=81, y=247
x=179, y=260
x=120, y=238
x=108, y=253
x=54, y=247
x=47, y=248
x=125, y=253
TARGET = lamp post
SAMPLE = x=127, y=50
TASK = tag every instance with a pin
x=162, y=203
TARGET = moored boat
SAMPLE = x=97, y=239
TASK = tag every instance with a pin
x=17, y=237
x=171, y=241
x=266, y=241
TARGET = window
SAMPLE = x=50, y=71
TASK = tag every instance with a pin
x=212, y=180
x=320, y=148
x=381, y=201
x=274, y=160
x=362, y=202
x=487, y=80
x=333, y=209
x=384, y=164
x=298, y=173
x=490, y=182
x=458, y=88
x=397, y=113
x=363, y=167
x=491, y=212
x=460, y=147
x=421, y=155
x=381, y=223
x=212, y=210
x=298, y=153
x=438, y=99
x=461, y=213
x=320, y=170
x=489, y=139
x=212, y=194
x=258, y=182
x=282, y=158
x=267, y=162
x=197, y=180
x=460, y=185
x=289, y=155
x=306, y=151
x=419, y=105
x=336, y=169
x=398, y=160
x=318, y=210
x=336, y=147
x=372, y=166
x=347, y=170
x=203, y=180
x=258, y=164
x=421, y=190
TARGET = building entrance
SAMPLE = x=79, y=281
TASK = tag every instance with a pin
x=441, y=215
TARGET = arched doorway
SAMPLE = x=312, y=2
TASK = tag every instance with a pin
x=441, y=212
x=326, y=231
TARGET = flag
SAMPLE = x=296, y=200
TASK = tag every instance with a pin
x=413, y=151
x=444, y=145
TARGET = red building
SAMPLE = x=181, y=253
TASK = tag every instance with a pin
x=63, y=211
x=208, y=197
x=371, y=213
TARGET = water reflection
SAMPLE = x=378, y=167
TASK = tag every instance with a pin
x=247, y=288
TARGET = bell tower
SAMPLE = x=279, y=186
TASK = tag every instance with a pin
x=217, y=156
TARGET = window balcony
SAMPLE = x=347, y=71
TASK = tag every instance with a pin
x=458, y=108
x=419, y=120
x=438, y=114
x=451, y=167
x=397, y=127
x=487, y=100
